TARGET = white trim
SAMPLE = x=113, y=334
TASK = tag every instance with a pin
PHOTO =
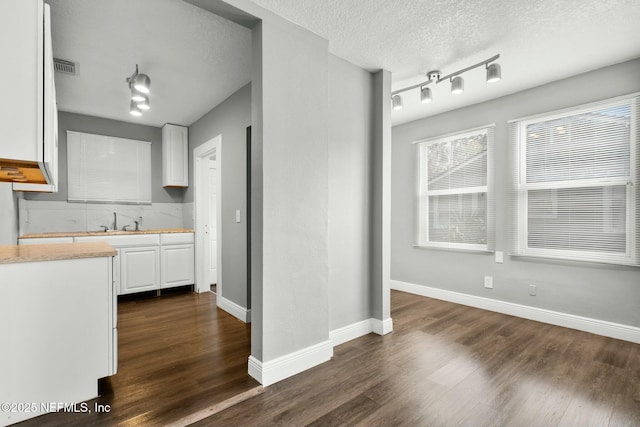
x=577, y=108
x=587, y=324
x=461, y=134
x=234, y=309
x=286, y=366
x=351, y=332
x=383, y=327
x=201, y=152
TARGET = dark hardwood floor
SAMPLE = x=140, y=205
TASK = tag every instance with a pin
x=451, y=365
x=444, y=365
x=178, y=355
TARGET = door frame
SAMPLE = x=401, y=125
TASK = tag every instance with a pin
x=201, y=156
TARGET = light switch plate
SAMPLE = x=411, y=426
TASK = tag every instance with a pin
x=237, y=215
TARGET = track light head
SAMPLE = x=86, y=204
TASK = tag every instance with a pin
x=136, y=95
x=396, y=102
x=457, y=85
x=144, y=104
x=142, y=83
x=425, y=95
x=134, y=110
x=494, y=73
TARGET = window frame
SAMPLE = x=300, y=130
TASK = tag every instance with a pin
x=422, y=194
x=521, y=188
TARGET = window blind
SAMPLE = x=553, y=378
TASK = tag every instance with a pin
x=108, y=169
x=575, y=174
x=455, y=195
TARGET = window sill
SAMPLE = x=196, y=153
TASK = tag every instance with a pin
x=483, y=251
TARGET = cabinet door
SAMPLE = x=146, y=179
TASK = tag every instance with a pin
x=175, y=162
x=177, y=265
x=139, y=269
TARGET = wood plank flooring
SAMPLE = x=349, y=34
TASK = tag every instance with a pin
x=178, y=355
x=451, y=365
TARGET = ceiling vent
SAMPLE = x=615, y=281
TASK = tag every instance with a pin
x=65, y=67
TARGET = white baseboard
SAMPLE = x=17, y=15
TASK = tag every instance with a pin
x=272, y=371
x=351, y=332
x=359, y=329
x=234, y=309
x=587, y=324
x=382, y=327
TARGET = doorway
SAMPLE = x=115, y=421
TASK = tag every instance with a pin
x=207, y=215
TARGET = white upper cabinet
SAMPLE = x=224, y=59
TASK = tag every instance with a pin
x=28, y=116
x=175, y=160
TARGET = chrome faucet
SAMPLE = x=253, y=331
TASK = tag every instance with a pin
x=115, y=221
x=138, y=223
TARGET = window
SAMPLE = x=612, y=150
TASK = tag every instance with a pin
x=108, y=169
x=454, y=192
x=575, y=175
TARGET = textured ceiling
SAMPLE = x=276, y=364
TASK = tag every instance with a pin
x=195, y=59
x=539, y=40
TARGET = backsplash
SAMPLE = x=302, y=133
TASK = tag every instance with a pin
x=51, y=216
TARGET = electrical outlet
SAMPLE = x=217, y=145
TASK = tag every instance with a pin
x=488, y=282
x=532, y=290
x=237, y=215
x=499, y=257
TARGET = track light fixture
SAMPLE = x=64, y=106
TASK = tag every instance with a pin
x=494, y=74
x=397, y=102
x=425, y=95
x=139, y=84
x=134, y=109
x=457, y=85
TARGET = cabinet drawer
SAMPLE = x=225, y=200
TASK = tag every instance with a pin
x=176, y=238
x=123, y=241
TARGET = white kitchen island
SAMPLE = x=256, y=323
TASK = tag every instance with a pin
x=58, y=323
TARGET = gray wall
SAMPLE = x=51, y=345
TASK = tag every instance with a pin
x=229, y=119
x=602, y=292
x=100, y=126
x=380, y=209
x=8, y=214
x=350, y=150
x=294, y=188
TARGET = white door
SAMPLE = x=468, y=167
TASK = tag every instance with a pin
x=213, y=231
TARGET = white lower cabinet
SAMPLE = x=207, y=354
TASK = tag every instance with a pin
x=145, y=262
x=139, y=269
x=177, y=265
